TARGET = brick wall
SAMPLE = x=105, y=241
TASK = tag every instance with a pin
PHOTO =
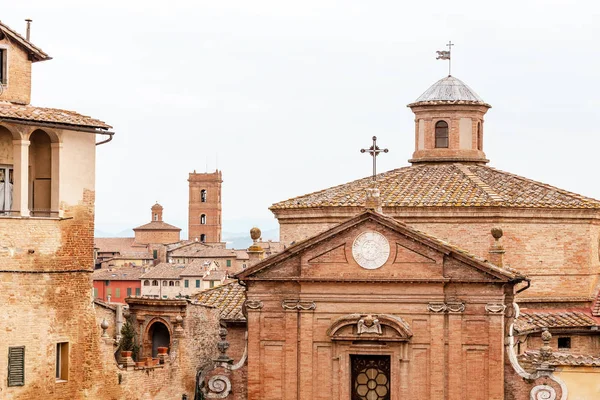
x=18, y=89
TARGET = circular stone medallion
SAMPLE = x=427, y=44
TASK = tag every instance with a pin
x=371, y=250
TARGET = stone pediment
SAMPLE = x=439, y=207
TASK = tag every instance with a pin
x=371, y=247
x=374, y=327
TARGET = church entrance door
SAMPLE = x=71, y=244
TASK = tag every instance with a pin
x=370, y=377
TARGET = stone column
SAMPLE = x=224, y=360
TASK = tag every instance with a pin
x=55, y=195
x=21, y=177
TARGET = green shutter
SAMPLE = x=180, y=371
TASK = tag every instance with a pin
x=197, y=283
x=229, y=263
x=186, y=283
x=128, y=292
x=137, y=291
x=16, y=366
x=95, y=293
x=155, y=254
x=118, y=292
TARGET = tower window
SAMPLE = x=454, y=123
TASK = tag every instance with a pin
x=203, y=219
x=479, y=137
x=441, y=134
x=203, y=195
x=3, y=69
x=564, y=342
x=203, y=238
x=156, y=217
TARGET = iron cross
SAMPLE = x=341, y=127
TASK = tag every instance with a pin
x=374, y=152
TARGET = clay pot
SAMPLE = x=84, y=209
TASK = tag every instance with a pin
x=155, y=361
x=140, y=363
x=149, y=362
x=126, y=353
x=163, y=350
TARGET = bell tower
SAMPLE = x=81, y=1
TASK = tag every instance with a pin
x=449, y=123
x=204, y=224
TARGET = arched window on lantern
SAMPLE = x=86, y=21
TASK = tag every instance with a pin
x=203, y=238
x=441, y=134
x=203, y=195
x=203, y=219
x=479, y=137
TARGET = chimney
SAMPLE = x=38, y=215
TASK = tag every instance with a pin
x=497, y=251
x=28, y=34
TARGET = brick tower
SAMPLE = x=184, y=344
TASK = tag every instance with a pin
x=204, y=222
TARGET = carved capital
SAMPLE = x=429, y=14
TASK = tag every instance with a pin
x=456, y=307
x=298, y=305
x=495, y=308
x=254, y=304
x=437, y=307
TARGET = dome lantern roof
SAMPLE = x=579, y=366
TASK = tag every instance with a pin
x=450, y=90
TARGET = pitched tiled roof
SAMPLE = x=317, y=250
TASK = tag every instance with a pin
x=596, y=306
x=118, y=274
x=229, y=298
x=164, y=271
x=126, y=248
x=157, y=226
x=36, y=53
x=445, y=185
x=536, y=320
x=10, y=111
x=215, y=276
x=561, y=359
x=202, y=250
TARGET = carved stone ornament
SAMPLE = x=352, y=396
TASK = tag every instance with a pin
x=494, y=308
x=542, y=392
x=298, y=305
x=254, y=304
x=437, y=307
x=219, y=387
x=455, y=307
x=369, y=324
x=371, y=250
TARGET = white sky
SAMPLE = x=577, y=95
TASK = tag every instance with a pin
x=285, y=93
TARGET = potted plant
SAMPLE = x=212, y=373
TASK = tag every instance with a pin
x=128, y=343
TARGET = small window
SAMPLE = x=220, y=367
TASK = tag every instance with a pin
x=95, y=293
x=441, y=134
x=107, y=283
x=156, y=217
x=243, y=266
x=146, y=283
x=16, y=366
x=165, y=283
x=171, y=283
x=176, y=283
x=118, y=293
x=564, y=342
x=137, y=291
x=186, y=283
x=203, y=238
x=198, y=283
x=479, y=137
x=108, y=292
x=3, y=69
x=212, y=284
x=229, y=263
x=128, y=292
x=62, y=361
x=203, y=219
x=154, y=283
x=203, y=195
x=155, y=254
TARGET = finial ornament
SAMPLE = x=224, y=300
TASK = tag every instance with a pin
x=374, y=152
x=446, y=55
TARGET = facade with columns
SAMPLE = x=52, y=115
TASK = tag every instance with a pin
x=449, y=192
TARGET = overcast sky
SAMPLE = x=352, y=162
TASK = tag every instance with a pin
x=283, y=94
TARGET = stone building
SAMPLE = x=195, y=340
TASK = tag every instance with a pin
x=156, y=231
x=47, y=164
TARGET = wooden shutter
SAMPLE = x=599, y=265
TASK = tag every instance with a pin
x=16, y=366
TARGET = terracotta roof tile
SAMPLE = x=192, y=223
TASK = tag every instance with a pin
x=157, y=226
x=118, y=274
x=445, y=185
x=164, y=271
x=125, y=247
x=561, y=359
x=9, y=111
x=535, y=320
x=229, y=298
x=202, y=250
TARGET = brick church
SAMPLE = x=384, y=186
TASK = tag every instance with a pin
x=447, y=279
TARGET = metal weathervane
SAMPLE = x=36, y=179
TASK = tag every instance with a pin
x=445, y=55
x=374, y=152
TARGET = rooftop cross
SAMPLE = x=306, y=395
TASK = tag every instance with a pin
x=374, y=152
x=445, y=55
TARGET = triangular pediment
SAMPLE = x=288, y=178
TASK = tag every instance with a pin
x=372, y=247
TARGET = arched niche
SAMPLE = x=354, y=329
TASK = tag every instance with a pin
x=40, y=173
x=157, y=334
x=375, y=327
x=7, y=162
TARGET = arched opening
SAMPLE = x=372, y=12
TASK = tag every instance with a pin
x=40, y=174
x=203, y=238
x=6, y=171
x=171, y=283
x=165, y=283
x=146, y=283
x=441, y=134
x=158, y=336
x=154, y=283
x=479, y=137
x=155, y=216
x=203, y=195
x=203, y=219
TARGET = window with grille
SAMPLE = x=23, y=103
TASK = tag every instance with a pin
x=441, y=134
x=16, y=366
x=370, y=377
